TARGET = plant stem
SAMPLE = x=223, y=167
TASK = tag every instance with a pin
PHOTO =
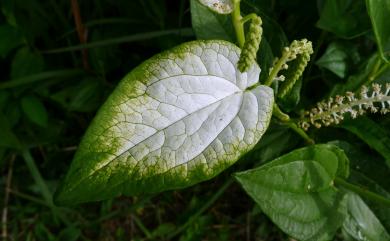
x=248, y=17
x=363, y=192
x=141, y=226
x=37, y=176
x=300, y=132
x=276, y=68
x=237, y=23
x=278, y=113
x=47, y=195
x=202, y=209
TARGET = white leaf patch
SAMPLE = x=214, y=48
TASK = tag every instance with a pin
x=219, y=6
x=179, y=118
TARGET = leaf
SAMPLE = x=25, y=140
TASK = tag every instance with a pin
x=296, y=191
x=7, y=137
x=219, y=6
x=85, y=96
x=382, y=212
x=355, y=81
x=361, y=222
x=346, y=19
x=370, y=164
x=10, y=38
x=291, y=100
x=26, y=63
x=69, y=234
x=335, y=60
x=180, y=118
x=379, y=12
x=371, y=133
x=209, y=25
x=35, y=110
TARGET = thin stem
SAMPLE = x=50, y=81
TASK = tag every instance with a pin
x=248, y=17
x=81, y=31
x=276, y=68
x=237, y=24
x=47, y=195
x=4, y=216
x=206, y=206
x=300, y=132
x=363, y=192
x=30, y=162
x=278, y=113
x=141, y=226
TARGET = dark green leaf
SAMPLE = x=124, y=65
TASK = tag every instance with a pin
x=379, y=12
x=265, y=58
x=334, y=59
x=83, y=97
x=361, y=222
x=35, y=110
x=355, y=81
x=382, y=212
x=276, y=141
x=371, y=133
x=372, y=165
x=291, y=100
x=296, y=191
x=344, y=18
x=26, y=63
x=10, y=38
x=210, y=25
x=69, y=234
x=7, y=137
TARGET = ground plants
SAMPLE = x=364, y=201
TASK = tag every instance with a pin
x=188, y=113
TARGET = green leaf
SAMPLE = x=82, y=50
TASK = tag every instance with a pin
x=334, y=59
x=35, y=111
x=179, y=118
x=296, y=191
x=291, y=100
x=347, y=19
x=354, y=82
x=83, y=97
x=379, y=12
x=361, y=222
x=209, y=25
x=10, y=38
x=371, y=165
x=69, y=234
x=7, y=137
x=26, y=63
x=371, y=133
x=382, y=212
x=219, y=6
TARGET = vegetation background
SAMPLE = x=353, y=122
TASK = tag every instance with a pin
x=60, y=59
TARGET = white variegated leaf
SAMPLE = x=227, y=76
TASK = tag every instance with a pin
x=179, y=118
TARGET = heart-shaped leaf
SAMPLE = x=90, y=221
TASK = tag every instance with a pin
x=179, y=118
x=219, y=6
x=296, y=191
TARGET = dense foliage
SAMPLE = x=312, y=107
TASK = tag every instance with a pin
x=60, y=60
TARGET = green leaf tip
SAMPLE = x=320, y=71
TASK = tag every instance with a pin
x=179, y=118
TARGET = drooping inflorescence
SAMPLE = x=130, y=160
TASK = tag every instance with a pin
x=251, y=45
x=300, y=51
x=373, y=99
